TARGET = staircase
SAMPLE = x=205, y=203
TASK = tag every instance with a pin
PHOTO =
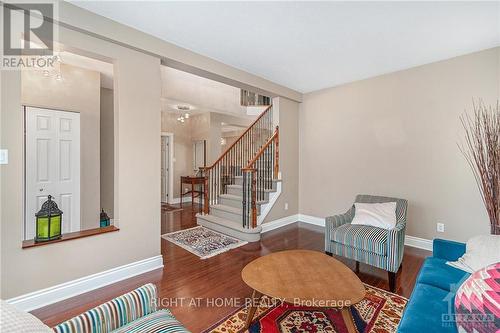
x=242, y=185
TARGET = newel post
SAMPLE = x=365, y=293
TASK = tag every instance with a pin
x=277, y=153
x=254, y=199
x=206, y=198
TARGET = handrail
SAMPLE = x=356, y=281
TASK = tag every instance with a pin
x=228, y=166
x=238, y=139
x=251, y=164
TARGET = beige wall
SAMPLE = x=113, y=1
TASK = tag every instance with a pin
x=215, y=150
x=137, y=171
x=79, y=91
x=397, y=135
x=288, y=114
x=200, y=130
x=107, y=151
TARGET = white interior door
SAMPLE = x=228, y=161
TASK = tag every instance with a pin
x=165, y=154
x=52, y=167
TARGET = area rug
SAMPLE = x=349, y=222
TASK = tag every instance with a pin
x=379, y=312
x=203, y=242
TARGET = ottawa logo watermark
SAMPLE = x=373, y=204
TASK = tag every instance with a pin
x=469, y=320
x=28, y=35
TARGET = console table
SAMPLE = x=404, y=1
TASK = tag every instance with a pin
x=193, y=181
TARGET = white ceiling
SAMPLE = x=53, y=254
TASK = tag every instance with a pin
x=201, y=94
x=307, y=46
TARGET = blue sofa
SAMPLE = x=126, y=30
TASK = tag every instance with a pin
x=431, y=302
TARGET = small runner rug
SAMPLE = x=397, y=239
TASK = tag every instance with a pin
x=379, y=312
x=203, y=242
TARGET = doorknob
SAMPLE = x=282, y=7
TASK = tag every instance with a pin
x=41, y=190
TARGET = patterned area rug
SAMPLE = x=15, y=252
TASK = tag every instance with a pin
x=380, y=311
x=203, y=242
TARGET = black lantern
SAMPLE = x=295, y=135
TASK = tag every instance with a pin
x=104, y=220
x=48, y=221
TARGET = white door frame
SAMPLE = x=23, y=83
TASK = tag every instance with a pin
x=170, y=189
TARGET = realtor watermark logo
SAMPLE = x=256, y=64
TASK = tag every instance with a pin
x=28, y=35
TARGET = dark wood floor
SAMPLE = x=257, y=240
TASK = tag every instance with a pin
x=185, y=278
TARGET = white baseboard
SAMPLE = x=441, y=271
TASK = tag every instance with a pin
x=40, y=298
x=268, y=226
x=312, y=220
x=421, y=243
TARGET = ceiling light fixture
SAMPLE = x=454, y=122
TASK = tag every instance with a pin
x=183, y=107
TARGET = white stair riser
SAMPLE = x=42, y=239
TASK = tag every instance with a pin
x=230, y=202
x=238, y=191
x=237, y=218
x=234, y=203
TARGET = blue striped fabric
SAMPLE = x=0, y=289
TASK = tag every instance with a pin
x=117, y=313
x=161, y=321
x=370, y=247
x=362, y=237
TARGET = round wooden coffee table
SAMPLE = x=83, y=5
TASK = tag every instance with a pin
x=304, y=277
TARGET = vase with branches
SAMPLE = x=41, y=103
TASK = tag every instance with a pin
x=482, y=151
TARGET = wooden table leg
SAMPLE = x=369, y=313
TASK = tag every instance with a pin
x=349, y=323
x=251, y=311
x=180, y=192
x=192, y=193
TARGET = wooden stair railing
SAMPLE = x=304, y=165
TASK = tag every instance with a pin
x=229, y=165
x=258, y=177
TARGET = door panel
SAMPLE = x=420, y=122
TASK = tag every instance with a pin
x=52, y=146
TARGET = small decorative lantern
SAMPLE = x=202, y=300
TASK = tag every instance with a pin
x=48, y=221
x=104, y=220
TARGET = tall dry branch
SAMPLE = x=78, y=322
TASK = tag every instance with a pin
x=482, y=151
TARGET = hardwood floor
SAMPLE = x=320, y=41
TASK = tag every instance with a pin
x=190, y=287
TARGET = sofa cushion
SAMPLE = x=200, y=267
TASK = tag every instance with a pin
x=13, y=320
x=161, y=321
x=368, y=238
x=428, y=311
x=437, y=273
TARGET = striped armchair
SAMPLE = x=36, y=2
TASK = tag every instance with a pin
x=133, y=312
x=373, y=246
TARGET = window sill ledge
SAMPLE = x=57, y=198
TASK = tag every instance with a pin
x=72, y=235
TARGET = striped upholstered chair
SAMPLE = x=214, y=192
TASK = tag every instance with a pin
x=134, y=312
x=370, y=245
